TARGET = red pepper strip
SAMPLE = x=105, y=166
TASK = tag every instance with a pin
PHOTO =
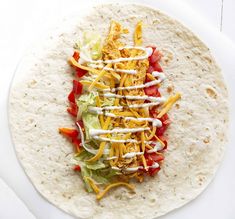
x=77, y=143
x=80, y=72
x=165, y=123
x=157, y=67
x=76, y=55
x=151, y=159
x=150, y=69
x=153, y=171
x=155, y=57
x=73, y=109
x=151, y=91
x=77, y=90
x=77, y=87
x=80, y=122
x=68, y=132
x=154, y=61
x=71, y=97
x=154, y=157
x=77, y=168
x=163, y=139
x=72, y=134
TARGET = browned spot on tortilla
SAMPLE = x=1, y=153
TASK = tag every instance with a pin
x=177, y=106
x=206, y=140
x=170, y=88
x=211, y=92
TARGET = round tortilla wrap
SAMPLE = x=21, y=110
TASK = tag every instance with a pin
x=197, y=134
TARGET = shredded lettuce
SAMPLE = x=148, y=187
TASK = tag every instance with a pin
x=95, y=166
x=98, y=171
x=85, y=100
x=90, y=45
x=90, y=121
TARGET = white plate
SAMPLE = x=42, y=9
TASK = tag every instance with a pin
x=215, y=202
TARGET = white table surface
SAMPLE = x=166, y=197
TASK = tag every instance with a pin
x=17, y=19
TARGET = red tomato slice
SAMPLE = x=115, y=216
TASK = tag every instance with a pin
x=150, y=69
x=154, y=157
x=76, y=143
x=160, y=131
x=80, y=122
x=157, y=67
x=151, y=91
x=165, y=123
x=155, y=57
x=153, y=171
x=71, y=97
x=77, y=168
x=76, y=55
x=80, y=72
x=73, y=109
x=77, y=87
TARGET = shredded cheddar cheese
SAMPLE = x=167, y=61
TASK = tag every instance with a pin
x=101, y=194
x=168, y=106
x=101, y=74
x=142, y=141
x=92, y=184
x=97, y=84
x=152, y=133
x=138, y=34
x=74, y=63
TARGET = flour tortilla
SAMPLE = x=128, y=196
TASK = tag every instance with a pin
x=197, y=134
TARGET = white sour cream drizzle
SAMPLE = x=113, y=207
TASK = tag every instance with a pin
x=95, y=132
x=131, y=97
x=157, y=146
x=143, y=105
x=134, y=169
x=155, y=122
x=126, y=156
x=126, y=71
x=161, y=77
x=111, y=158
x=115, y=140
x=148, y=52
x=132, y=154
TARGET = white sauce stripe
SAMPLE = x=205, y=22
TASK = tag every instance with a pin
x=115, y=140
x=126, y=71
x=161, y=77
x=94, y=132
x=134, y=169
x=111, y=158
x=100, y=109
x=155, y=122
x=148, y=52
x=157, y=147
x=132, y=154
x=131, y=97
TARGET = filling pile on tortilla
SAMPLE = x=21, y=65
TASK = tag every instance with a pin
x=118, y=109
